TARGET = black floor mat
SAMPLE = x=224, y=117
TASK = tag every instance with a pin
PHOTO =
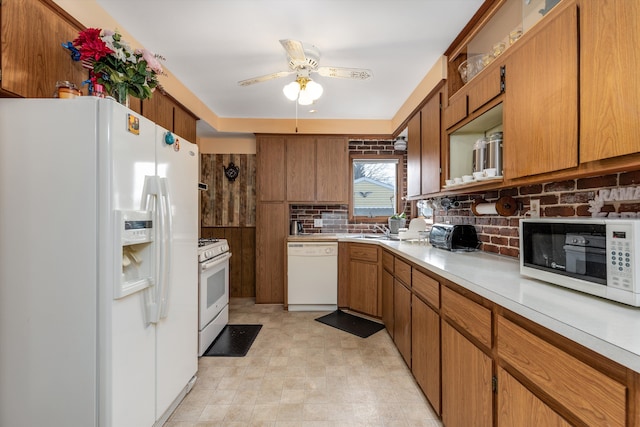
x=349, y=323
x=233, y=341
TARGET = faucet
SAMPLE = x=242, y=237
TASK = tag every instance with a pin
x=383, y=229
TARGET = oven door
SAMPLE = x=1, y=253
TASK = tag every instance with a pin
x=214, y=288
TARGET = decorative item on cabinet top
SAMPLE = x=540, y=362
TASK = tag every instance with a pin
x=115, y=65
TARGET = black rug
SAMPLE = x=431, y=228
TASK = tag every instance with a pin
x=349, y=323
x=233, y=341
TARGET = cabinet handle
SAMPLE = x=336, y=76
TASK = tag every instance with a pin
x=503, y=73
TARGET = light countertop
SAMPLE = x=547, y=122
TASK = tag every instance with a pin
x=606, y=327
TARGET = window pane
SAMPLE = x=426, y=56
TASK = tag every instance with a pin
x=374, y=187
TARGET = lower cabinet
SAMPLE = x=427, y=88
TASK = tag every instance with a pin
x=402, y=320
x=425, y=350
x=387, y=301
x=271, y=220
x=363, y=279
x=517, y=406
x=467, y=396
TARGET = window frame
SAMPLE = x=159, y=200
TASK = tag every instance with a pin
x=399, y=187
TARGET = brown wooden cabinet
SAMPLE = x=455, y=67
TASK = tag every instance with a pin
x=584, y=392
x=467, y=398
x=270, y=169
x=387, y=291
x=609, y=87
x=32, y=58
x=425, y=350
x=541, y=97
x=271, y=221
x=364, y=290
x=402, y=319
x=301, y=168
x=332, y=169
x=164, y=111
x=517, y=406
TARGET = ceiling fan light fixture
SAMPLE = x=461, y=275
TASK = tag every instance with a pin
x=314, y=90
x=291, y=91
x=305, y=98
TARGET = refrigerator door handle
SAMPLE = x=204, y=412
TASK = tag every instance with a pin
x=151, y=202
x=166, y=249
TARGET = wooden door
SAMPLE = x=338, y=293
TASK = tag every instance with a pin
x=541, y=98
x=363, y=287
x=425, y=350
x=414, y=138
x=430, y=160
x=332, y=173
x=517, y=406
x=301, y=169
x=467, y=398
x=184, y=123
x=609, y=86
x=387, y=301
x=159, y=109
x=270, y=168
x=402, y=320
x=271, y=232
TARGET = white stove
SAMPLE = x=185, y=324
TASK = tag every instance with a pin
x=213, y=290
x=211, y=248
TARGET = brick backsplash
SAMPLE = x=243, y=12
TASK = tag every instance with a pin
x=568, y=198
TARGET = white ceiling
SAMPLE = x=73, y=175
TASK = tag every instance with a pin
x=210, y=45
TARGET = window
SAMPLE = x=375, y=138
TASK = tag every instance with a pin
x=375, y=183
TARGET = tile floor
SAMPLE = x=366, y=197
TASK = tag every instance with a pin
x=300, y=372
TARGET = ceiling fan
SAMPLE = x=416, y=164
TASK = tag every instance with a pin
x=303, y=61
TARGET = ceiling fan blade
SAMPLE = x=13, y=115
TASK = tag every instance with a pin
x=345, y=73
x=265, y=78
x=294, y=50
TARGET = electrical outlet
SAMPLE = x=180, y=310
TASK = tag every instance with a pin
x=534, y=208
x=317, y=222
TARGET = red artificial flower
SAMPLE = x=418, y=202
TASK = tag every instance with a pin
x=90, y=45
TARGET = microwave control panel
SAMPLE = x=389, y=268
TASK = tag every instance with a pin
x=621, y=254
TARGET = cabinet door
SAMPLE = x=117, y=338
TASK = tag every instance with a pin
x=271, y=231
x=301, y=169
x=457, y=109
x=609, y=87
x=414, y=138
x=430, y=167
x=425, y=350
x=32, y=58
x=517, y=406
x=402, y=320
x=387, y=301
x=159, y=109
x=363, y=287
x=332, y=174
x=541, y=98
x=270, y=168
x=184, y=124
x=467, y=399
x=486, y=87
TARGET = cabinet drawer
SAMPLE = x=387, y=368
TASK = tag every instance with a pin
x=426, y=287
x=402, y=272
x=387, y=261
x=363, y=252
x=457, y=109
x=468, y=315
x=485, y=89
x=586, y=392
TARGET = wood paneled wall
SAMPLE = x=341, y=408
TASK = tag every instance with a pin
x=242, y=265
x=226, y=203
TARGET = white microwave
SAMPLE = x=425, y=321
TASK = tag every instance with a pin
x=597, y=256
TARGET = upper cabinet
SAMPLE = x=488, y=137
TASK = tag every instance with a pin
x=33, y=60
x=609, y=87
x=166, y=112
x=423, y=147
x=301, y=168
x=541, y=98
x=270, y=168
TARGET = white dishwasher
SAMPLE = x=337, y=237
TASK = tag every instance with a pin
x=312, y=276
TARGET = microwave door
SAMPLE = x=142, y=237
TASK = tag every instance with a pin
x=547, y=251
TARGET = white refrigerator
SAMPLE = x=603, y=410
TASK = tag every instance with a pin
x=98, y=281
